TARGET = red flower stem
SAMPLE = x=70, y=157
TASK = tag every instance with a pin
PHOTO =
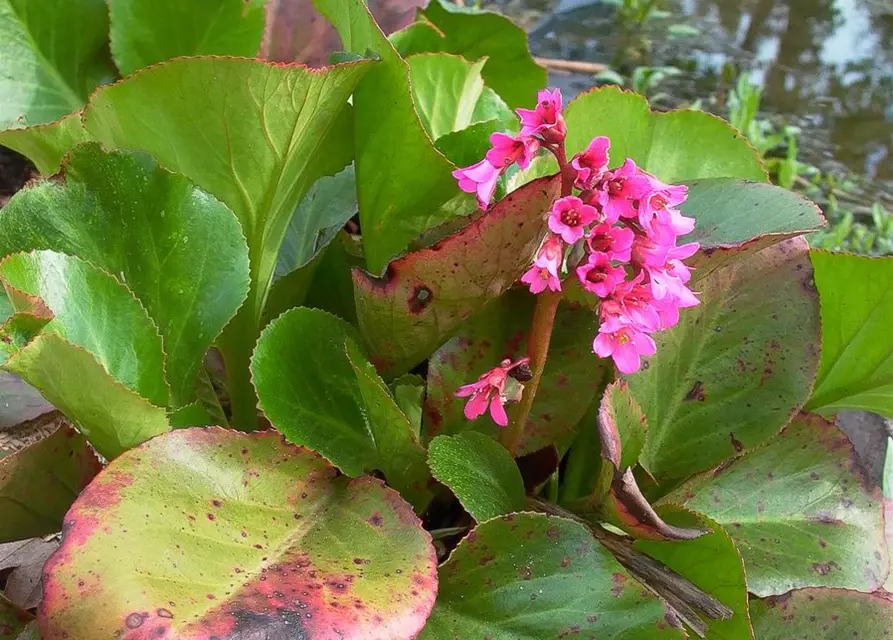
x=540, y=331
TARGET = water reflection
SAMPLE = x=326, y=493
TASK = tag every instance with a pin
x=827, y=65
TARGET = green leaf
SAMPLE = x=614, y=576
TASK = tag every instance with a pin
x=735, y=218
x=480, y=472
x=409, y=394
x=39, y=483
x=112, y=417
x=399, y=204
x=675, y=146
x=143, y=33
x=710, y=562
x=426, y=294
x=327, y=206
x=12, y=620
x=320, y=391
x=799, y=511
x=624, y=421
x=46, y=144
x=253, y=134
x=420, y=36
x=93, y=311
x=735, y=368
x=500, y=331
x=510, y=70
x=466, y=147
x=830, y=614
x=528, y=577
x=399, y=454
x=178, y=250
x=856, y=371
x=450, y=95
x=52, y=55
x=268, y=541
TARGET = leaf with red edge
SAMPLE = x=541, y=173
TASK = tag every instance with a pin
x=799, y=510
x=623, y=422
x=500, y=331
x=424, y=295
x=528, y=576
x=204, y=533
x=829, y=614
x=39, y=483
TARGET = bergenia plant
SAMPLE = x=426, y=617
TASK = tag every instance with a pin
x=384, y=349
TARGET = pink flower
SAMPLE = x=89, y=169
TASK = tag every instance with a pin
x=480, y=179
x=506, y=150
x=668, y=224
x=625, y=344
x=569, y=217
x=631, y=303
x=541, y=278
x=661, y=196
x=619, y=189
x=551, y=255
x=488, y=391
x=616, y=242
x=545, y=120
x=591, y=163
x=599, y=276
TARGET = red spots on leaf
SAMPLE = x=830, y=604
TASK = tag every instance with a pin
x=696, y=393
x=618, y=584
x=211, y=517
x=135, y=620
x=216, y=503
x=737, y=445
x=375, y=519
x=826, y=568
x=486, y=559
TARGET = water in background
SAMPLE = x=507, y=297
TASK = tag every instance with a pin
x=825, y=65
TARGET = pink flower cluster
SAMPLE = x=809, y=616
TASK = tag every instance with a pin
x=627, y=224
x=624, y=222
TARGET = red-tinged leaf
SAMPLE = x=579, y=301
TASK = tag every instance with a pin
x=528, y=576
x=209, y=533
x=799, y=509
x=426, y=294
x=625, y=507
x=826, y=614
x=622, y=425
x=39, y=483
x=567, y=388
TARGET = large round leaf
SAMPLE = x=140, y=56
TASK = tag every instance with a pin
x=206, y=533
x=736, y=367
x=528, y=576
x=829, y=614
x=675, y=146
x=799, y=510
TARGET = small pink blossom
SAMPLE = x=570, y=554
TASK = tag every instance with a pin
x=489, y=392
x=599, y=276
x=631, y=303
x=592, y=163
x=660, y=197
x=620, y=189
x=616, y=242
x=551, y=254
x=541, y=278
x=570, y=217
x=545, y=120
x=625, y=344
x=479, y=179
x=507, y=150
x=669, y=224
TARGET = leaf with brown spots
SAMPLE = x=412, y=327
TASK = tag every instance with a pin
x=39, y=483
x=736, y=368
x=799, y=510
x=529, y=576
x=829, y=614
x=426, y=294
x=206, y=533
x=566, y=390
